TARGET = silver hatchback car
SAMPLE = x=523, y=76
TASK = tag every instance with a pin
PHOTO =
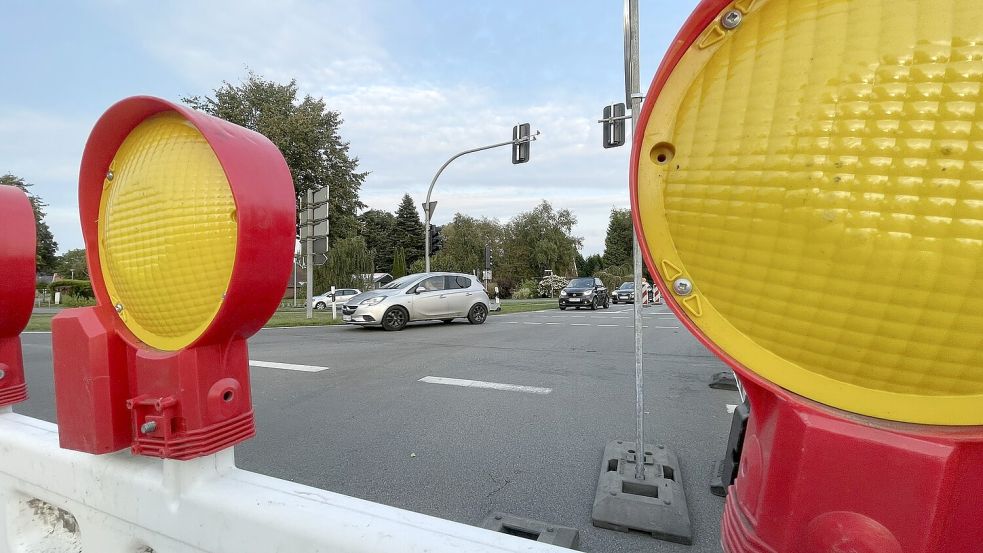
x=419, y=297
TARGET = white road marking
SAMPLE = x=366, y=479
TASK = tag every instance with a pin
x=286, y=366
x=608, y=325
x=529, y=323
x=488, y=385
x=730, y=408
x=579, y=324
x=511, y=322
x=551, y=323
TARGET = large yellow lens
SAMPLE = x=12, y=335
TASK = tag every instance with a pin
x=167, y=232
x=817, y=172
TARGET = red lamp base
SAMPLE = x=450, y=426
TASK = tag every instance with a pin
x=803, y=464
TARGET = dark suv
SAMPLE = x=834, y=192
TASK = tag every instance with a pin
x=584, y=292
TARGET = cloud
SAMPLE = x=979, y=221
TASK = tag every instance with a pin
x=45, y=149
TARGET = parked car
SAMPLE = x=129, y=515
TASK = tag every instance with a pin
x=420, y=297
x=341, y=295
x=625, y=293
x=584, y=292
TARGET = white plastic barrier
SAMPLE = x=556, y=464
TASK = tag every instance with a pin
x=60, y=501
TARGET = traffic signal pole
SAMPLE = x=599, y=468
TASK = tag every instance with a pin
x=428, y=210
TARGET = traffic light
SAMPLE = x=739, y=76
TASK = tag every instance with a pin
x=436, y=240
x=614, y=125
x=812, y=214
x=488, y=257
x=520, y=143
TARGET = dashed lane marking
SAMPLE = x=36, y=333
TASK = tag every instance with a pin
x=487, y=385
x=286, y=366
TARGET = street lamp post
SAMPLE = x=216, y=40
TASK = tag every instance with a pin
x=427, y=206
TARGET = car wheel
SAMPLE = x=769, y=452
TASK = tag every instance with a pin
x=320, y=306
x=395, y=318
x=593, y=304
x=607, y=303
x=615, y=301
x=563, y=308
x=478, y=314
x=447, y=320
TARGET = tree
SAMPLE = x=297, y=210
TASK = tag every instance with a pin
x=72, y=264
x=591, y=265
x=399, y=263
x=377, y=229
x=47, y=247
x=538, y=240
x=348, y=263
x=408, y=232
x=305, y=131
x=618, y=242
x=465, y=238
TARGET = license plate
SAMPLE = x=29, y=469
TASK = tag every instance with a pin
x=346, y=318
x=574, y=299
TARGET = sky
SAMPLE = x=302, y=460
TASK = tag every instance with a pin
x=415, y=82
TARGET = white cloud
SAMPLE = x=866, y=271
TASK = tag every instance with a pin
x=45, y=150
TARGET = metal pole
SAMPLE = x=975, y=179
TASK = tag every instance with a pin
x=310, y=254
x=426, y=225
x=632, y=96
x=295, y=280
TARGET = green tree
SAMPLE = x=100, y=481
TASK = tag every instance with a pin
x=464, y=243
x=408, y=232
x=591, y=265
x=399, y=263
x=348, y=264
x=538, y=240
x=617, y=243
x=307, y=134
x=377, y=229
x=72, y=264
x=47, y=247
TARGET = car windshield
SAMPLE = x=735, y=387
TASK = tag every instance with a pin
x=400, y=282
x=627, y=286
x=581, y=283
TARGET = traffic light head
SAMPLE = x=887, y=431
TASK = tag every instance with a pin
x=521, y=140
x=436, y=239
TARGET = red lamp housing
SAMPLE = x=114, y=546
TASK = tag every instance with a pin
x=189, y=225
x=18, y=243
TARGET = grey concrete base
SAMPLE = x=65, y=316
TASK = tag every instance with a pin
x=656, y=505
x=553, y=534
x=724, y=381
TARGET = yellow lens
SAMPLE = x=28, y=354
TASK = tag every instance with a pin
x=817, y=173
x=167, y=232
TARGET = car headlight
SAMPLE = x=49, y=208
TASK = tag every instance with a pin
x=588, y=293
x=563, y=293
x=373, y=301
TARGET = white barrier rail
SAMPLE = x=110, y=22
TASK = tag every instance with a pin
x=61, y=501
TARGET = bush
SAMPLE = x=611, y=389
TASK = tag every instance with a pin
x=550, y=285
x=528, y=289
x=77, y=288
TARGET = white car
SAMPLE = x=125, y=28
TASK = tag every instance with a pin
x=420, y=297
x=341, y=295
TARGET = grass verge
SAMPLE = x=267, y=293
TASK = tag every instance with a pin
x=41, y=322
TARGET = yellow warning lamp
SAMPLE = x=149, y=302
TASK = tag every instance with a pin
x=809, y=185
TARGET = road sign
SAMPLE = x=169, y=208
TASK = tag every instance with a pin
x=486, y=274
x=768, y=198
x=428, y=209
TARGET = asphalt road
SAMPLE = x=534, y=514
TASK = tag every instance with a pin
x=368, y=427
